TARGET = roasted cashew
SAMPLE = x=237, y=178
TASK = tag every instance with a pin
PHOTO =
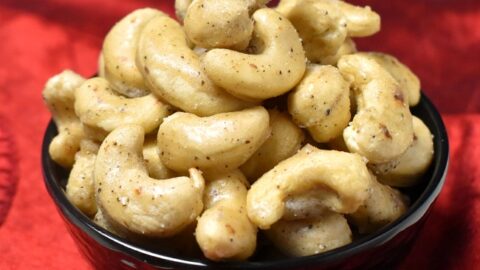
x=271, y=72
x=382, y=206
x=172, y=70
x=80, y=189
x=151, y=155
x=321, y=102
x=343, y=177
x=221, y=142
x=408, y=81
x=407, y=170
x=348, y=47
x=130, y=199
x=284, y=141
x=59, y=96
x=181, y=7
x=99, y=107
x=382, y=128
x=310, y=236
x=224, y=231
x=119, y=50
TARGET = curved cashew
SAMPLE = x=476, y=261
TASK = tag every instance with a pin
x=272, y=72
x=348, y=47
x=361, y=21
x=172, y=70
x=59, y=96
x=99, y=107
x=151, y=153
x=285, y=140
x=219, y=24
x=220, y=142
x=407, y=170
x=80, y=189
x=119, y=50
x=224, y=231
x=130, y=199
x=343, y=177
x=382, y=206
x=408, y=81
x=310, y=236
x=181, y=7
x=321, y=102
x=382, y=128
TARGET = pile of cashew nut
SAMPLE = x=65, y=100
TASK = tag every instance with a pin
x=238, y=119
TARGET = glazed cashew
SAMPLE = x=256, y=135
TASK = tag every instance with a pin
x=59, y=96
x=407, y=170
x=99, y=107
x=151, y=155
x=130, y=199
x=173, y=72
x=221, y=142
x=382, y=128
x=119, y=50
x=310, y=236
x=382, y=206
x=285, y=140
x=271, y=72
x=219, y=24
x=181, y=7
x=224, y=231
x=408, y=81
x=321, y=102
x=348, y=47
x=343, y=177
x=80, y=189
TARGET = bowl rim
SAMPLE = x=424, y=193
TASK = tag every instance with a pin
x=113, y=242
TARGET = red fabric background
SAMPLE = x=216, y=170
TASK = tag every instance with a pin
x=438, y=39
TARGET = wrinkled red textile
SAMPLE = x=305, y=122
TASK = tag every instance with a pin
x=438, y=39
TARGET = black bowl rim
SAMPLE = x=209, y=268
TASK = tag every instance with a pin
x=415, y=212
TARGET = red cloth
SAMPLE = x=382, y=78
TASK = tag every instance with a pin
x=438, y=39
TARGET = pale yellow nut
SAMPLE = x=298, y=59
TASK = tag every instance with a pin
x=348, y=47
x=59, y=97
x=284, y=141
x=382, y=206
x=382, y=128
x=361, y=21
x=181, y=7
x=173, y=72
x=342, y=177
x=221, y=142
x=99, y=107
x=131, y=200
x=264, y=74
x=224, y=231
x=408, y=169
x=310, y=236
x=408, y=81
x=219, y=24
x=321, y=103
x=80, y=188
x=151, y=154
x=119, y=52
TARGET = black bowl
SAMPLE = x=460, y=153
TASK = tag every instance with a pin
x=380, y=250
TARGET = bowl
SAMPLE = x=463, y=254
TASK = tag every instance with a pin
x=380, y=250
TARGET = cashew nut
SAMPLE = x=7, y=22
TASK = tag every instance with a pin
x=59, y=96
x=271, y=72
x=343, y=177
x=284, y=141
x=382, y=128
x=119, y=50
x=304, y=206
x=181, y=7
x=80, y=188
x=221, y=142
x=99, y=107
x=151, y=154
x=130, y=199
x=224, y=231
x=408, y=81
x=382, y=206
x=348, y=47
x=407, y=170
x=172, y=70
x=219, y=24
x=321, y=102
x=310, y=236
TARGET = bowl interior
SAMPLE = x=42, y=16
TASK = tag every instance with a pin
x=421, y=197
